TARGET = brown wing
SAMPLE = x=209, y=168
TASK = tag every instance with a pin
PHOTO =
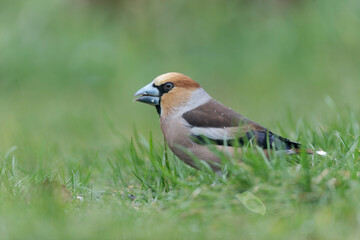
x=214, y=115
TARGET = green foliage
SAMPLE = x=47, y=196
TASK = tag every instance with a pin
x=72, y=167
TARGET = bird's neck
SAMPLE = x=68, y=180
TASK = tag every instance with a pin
x=197, y=98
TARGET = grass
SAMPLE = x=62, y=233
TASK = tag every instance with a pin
x=138, y=192
x=79, y=160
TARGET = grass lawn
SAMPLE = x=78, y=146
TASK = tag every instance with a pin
x=80, y=160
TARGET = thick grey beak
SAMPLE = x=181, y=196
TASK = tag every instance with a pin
x=148, y=94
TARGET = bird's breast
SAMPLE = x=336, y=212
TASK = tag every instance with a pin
x=176, y=132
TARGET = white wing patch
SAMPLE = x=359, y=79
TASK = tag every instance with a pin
x=214, y=133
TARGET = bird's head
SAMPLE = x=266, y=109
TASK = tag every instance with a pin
x=167, y=91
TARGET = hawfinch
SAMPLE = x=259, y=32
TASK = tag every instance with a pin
x=191, y=121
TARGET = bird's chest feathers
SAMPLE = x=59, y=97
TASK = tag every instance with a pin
x=175, y=131
x=175, y=128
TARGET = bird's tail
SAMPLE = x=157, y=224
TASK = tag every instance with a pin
x=308, y=151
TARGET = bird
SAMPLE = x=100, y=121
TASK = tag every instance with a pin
x=192, y=122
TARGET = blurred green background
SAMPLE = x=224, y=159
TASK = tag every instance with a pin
x=69, y=69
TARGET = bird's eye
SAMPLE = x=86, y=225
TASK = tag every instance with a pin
x=168, y=86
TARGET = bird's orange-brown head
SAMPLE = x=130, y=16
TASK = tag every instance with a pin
x=167, y=91
x=178, y=79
